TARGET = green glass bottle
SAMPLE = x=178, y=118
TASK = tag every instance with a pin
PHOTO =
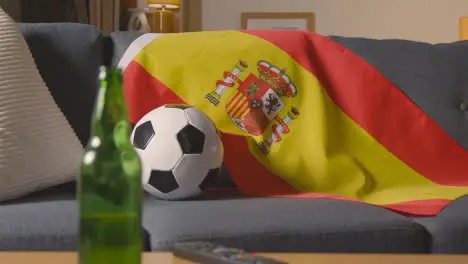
x=109, y=185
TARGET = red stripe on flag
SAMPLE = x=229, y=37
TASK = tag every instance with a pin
x=145, y=93
x=428, y=207
x=420, y=207
x=379, y=107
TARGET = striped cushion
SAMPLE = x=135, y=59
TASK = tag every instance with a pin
x=38, y=147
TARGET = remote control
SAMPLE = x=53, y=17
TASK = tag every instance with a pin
x=210, y=253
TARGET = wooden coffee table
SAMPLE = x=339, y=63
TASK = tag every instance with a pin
x=167, y=258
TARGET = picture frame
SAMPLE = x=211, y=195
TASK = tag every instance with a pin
x=278, y=20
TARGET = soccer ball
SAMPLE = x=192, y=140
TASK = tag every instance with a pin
x=180, y=151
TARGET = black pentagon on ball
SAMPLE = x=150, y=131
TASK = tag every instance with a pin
x=143, y=135
x=178, y=106
x=163, y=181
x=191, y=140
x=209, y=180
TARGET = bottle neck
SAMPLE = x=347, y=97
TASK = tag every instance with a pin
x=110, y=105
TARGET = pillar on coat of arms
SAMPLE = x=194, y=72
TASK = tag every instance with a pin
x=230, y=79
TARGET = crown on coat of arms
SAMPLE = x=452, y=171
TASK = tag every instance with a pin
x=275, y=77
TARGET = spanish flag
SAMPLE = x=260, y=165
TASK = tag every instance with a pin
x=301, y=116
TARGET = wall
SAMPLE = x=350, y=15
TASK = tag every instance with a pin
x=424, y=20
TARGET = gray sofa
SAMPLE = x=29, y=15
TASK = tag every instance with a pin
x=68, y=57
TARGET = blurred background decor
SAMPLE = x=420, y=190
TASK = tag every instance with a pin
x=165, y=16
x=278, y=20
x=463, y=28
x=160, y=16
x=46, y=11
x=107, y=14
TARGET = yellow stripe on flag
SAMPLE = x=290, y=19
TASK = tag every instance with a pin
x=325, y=151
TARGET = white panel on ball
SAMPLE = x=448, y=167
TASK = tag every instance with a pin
x=169, y=120
x=166, y=124
x=213, y=149
x=180, y=149
x=192, y=168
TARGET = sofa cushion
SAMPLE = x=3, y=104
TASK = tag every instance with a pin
x=284, y=225
x=449, y=229
x=43, y=221
x=39, y=225
x=38, y=147
x=68, y=57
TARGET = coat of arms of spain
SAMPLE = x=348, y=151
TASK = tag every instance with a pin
x=258, y=101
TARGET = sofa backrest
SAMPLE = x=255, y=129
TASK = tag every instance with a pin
x=120, y=42
x=68, y=57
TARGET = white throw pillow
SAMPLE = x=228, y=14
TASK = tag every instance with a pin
x=38, y=147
